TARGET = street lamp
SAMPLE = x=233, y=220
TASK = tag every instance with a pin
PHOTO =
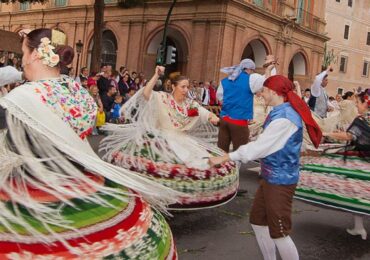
x=79, y=46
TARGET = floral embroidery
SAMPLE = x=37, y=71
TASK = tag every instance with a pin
x=180, y=116
x=71, y=102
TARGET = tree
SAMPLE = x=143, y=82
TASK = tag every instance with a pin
x=98, y=28
x=98, y=35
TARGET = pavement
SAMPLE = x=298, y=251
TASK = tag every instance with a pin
x=225, y=233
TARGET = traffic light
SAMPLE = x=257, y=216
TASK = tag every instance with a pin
x=160, y=56
x=170, y=55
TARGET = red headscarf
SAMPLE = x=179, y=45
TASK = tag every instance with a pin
x=284, y=87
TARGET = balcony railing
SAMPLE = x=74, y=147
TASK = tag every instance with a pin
x=308, y=20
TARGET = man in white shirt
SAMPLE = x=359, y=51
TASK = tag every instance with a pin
x=205, y=94
x=236, y=93
x=9, y=75
x=278, y=147
x=319, y=98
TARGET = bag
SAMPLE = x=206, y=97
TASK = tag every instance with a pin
x=361, y=130
x=100, y=119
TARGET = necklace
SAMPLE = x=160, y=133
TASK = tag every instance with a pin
x=181, y=109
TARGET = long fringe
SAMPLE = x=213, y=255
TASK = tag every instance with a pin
x=34, y=158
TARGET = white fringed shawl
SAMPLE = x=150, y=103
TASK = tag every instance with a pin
x=175, y=137
x=46, y=146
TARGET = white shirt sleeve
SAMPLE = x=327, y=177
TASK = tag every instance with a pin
x=220, y=92
x=256, y=82
x=273, y=71
x=272, y=139
x=9, y=75
x=316, y=86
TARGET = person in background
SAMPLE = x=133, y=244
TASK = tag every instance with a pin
x=124, y=85
x=94, y=92
x=236, y=92
x=115, y=111
x=319, y=98
x=306, y=95
x=135, y=85
x=108, y=100
x=84, y=83
x=84, y=74
x=205, y=95
x=212, y=93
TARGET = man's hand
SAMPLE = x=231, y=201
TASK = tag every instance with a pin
x=216, y=161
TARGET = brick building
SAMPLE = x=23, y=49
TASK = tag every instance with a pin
x=349, y=31
x=207, y=34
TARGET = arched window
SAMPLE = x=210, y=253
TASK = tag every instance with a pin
x=109, y=48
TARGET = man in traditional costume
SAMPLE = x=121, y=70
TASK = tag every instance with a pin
x=236, y=93
x=279, y=149
x=58, y=199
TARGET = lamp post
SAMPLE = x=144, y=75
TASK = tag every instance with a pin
x=79, y=46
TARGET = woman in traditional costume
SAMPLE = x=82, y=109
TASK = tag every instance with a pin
x=58, y=199
x=165, y=142
x=342, y=180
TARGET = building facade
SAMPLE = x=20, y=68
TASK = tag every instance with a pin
x=348, y=24
x=207, y=35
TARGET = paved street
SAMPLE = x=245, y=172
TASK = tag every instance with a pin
x=224, y=232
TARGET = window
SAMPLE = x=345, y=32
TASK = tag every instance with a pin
x=60, y=2
x=350, y=3
x=338, y=1
x=368, y=38
x=340, y=91
x=24, y=6
x=258, y=2
x=365, y=69
x=343, y=64
x=346, y=31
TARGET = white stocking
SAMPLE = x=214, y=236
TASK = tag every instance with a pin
x=287, y=249
x=265, y=242
x=358, y=229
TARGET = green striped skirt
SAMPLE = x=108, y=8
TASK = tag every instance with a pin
x=127, y=229
x=331, y=181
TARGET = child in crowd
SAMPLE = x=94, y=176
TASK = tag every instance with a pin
x=115, y=111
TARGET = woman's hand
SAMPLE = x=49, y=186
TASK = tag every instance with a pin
x=214, y=120
x=216, y=161
x=159, y=71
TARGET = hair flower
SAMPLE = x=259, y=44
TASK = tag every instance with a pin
x=46, y=53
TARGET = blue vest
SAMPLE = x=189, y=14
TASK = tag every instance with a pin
x=282, y=167
x=237, y=98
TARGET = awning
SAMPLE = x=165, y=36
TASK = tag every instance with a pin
x=10, y=42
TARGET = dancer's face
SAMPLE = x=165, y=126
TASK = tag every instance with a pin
x=267, y=96
x=180, y=91
x=362, y=107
